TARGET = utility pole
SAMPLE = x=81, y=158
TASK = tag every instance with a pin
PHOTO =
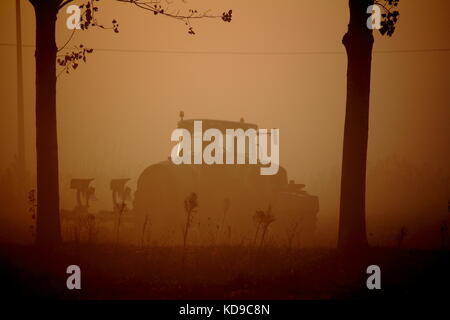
x=20, y=108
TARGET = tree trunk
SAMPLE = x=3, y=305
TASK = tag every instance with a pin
x=358, y=42
x=48, y=230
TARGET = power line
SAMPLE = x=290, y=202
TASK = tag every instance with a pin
x=265, y=53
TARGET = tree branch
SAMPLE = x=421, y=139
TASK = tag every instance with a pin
x=155, y=7
x=63, y=4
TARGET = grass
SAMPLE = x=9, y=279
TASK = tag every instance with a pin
x=220, y=272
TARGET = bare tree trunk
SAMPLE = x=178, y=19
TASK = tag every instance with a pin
x=358, y=42
x=48, y=229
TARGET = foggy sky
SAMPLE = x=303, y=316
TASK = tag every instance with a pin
x=117, y=111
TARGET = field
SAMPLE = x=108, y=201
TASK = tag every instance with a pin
x=222, y=272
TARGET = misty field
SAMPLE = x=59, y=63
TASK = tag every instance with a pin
x=221, y=272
